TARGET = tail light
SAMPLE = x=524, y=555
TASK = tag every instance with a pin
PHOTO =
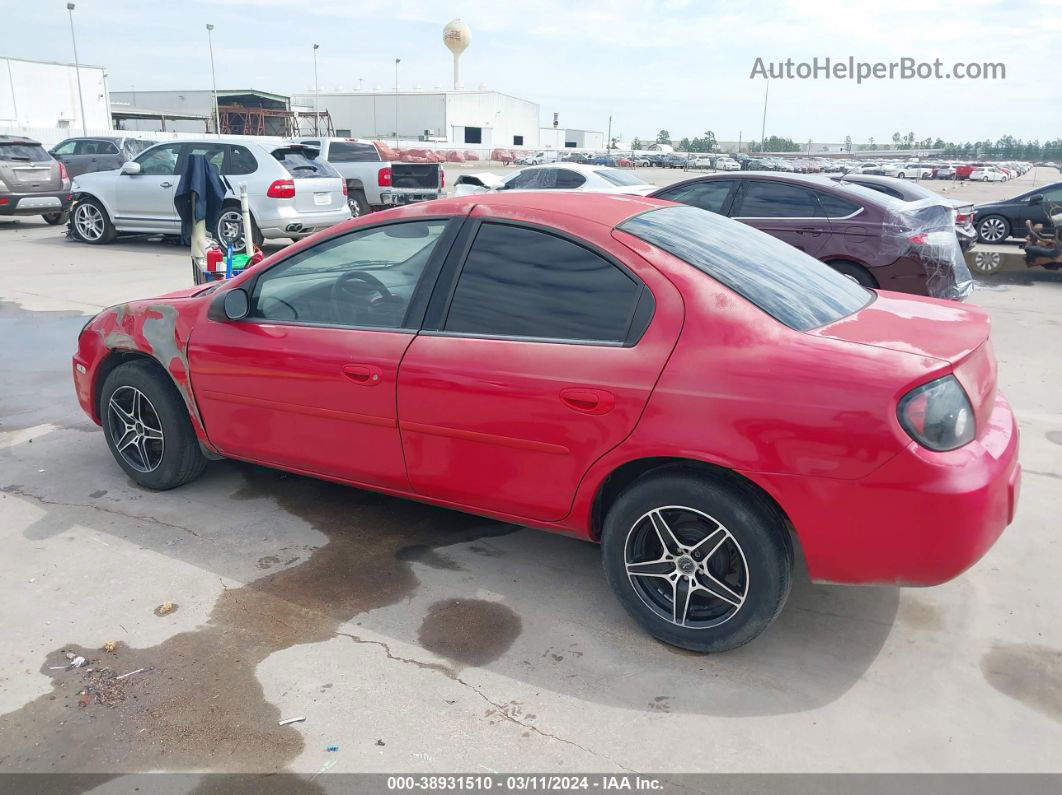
x=938, y=415
x=383, y=177
x=345, y=189
x=63, y=176
x=281, y=189
x=442, y=177
x=918, y=240
x=962, y=218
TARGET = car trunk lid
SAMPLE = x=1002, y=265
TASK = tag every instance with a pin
x=417, y=176
x=954, y=335
x=26, y=168
x=318, y=186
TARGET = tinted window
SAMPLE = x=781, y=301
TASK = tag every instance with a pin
x=65, y=148
x=160, y=161
x=525, y=180
x=93, y=147
x=350, y=152
x=617, y=177
x=135, y=146
x=1052, y=194
x=366, y=278
x=240, y=161
x=302, y=163
x=520, y=282
x=473, y=135
x=775, y=200
x=566, y=179
x=783, y=281
x=28, y=152
x=882, y=189
x=214, y=153
x=709, y=195
x=835, y=207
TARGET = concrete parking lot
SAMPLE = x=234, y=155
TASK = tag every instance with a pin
x=411, y=638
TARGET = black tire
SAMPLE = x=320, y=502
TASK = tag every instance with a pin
x=56, y=218
x=993, y=229
x=91, y=224
x=359, y=205
x=225, y=218
x=179, y=458
x=855, y=272
x=753, y=562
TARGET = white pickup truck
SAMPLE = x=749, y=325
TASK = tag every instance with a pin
x=373, y=182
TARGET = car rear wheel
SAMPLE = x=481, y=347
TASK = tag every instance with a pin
x=855, y=272
x=993, y=229
x=56, y=218
x=91, y=223
x=699, y=564
x=229, y=229
x=147, y=427
x=359, y=205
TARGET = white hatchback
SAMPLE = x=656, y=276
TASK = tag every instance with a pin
x=291, y=192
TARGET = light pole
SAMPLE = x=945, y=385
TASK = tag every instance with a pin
x=214, y=81
x=397, y=62
x=763, y=129
x=77, y=70
x=316, y=94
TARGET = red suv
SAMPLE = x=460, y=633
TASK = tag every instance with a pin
x=692, y=393
x=879, y=241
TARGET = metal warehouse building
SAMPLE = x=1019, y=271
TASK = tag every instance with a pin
x=472, y=118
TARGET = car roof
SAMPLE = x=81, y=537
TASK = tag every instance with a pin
x=582, y=168
x=608, y=209
x=817, y=181
x=18, y=139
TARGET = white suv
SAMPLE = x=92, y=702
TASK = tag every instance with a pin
x=292, y=193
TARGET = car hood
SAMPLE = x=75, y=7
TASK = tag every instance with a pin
x=928, y=327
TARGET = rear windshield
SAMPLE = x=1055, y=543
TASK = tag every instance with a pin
x=617, y=177
x=32, y=152
x=783, y=281
x=303, y=163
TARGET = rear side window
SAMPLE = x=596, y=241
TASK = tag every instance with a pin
x=240, y=160
x=783, y=281
x=566, y=179
x=775, y=200
x=350, y=152
x=617, y=177
x=519, y=282
x=835, y=207
x=33, y=153
x=301, y=164
x=710, y=195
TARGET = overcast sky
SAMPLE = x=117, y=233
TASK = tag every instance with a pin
x=681, y=65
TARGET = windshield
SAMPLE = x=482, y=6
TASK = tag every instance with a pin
x=617, y=177
x=790, y=286
x=22, y=151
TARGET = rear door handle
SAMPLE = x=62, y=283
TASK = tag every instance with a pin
x=588, y=401
x=364, y=374
x=812, y=232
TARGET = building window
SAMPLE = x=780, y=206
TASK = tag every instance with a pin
x=341, y=133
x=518, y=140
x=570, y=144
x=473, y=135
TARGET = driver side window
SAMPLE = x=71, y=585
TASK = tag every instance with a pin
x=365, y=279
x=160, y=161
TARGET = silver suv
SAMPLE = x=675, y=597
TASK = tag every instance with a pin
x=31, y=182
x=292, y=192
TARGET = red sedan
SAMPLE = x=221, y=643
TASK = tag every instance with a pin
x=693, y=394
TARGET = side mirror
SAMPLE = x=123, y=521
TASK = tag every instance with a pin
x=1037, y=198
x=130, y=167
x=237, y=304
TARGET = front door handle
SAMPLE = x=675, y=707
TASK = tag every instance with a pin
x=588, y=401
x=364, y=374
x=166, y=185
x=812, y=232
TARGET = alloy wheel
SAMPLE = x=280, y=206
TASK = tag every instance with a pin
x=993, y=230
x=230, y=229
x=135, y=429
x=987, y=261
x=686, y=567
x=88, y=218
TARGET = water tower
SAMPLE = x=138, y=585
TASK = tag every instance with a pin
x=457, y=37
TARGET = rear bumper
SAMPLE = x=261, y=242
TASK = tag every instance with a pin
x=400, y=196
x=921, y=519
x=284, y=224
x=35, y=203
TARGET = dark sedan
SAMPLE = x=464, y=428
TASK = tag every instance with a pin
x=878, y=241
x=997, y=221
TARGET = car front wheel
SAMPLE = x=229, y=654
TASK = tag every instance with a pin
x=700, y=564
x=91, y=223
x=147, y=427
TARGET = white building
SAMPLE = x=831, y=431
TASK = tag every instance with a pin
x=561, y=138
x=42, y=95
x=472, y=119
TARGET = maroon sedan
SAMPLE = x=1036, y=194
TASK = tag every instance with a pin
x=878, y=241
